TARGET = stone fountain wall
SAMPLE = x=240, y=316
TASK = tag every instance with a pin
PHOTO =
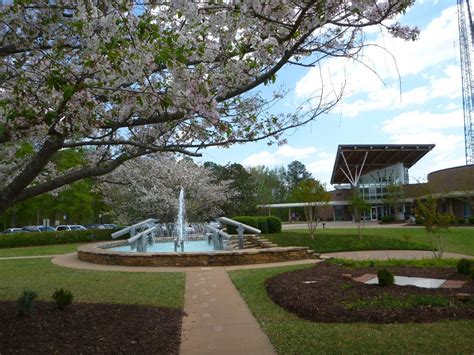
x=99, y=254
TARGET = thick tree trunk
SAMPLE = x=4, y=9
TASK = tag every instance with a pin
x=9, y=195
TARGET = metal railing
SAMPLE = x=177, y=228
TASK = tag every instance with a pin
x=139, y=238
x=241, y=227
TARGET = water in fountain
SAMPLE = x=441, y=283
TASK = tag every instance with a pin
x=181, y=221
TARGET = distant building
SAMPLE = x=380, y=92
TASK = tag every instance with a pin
x=372, y=169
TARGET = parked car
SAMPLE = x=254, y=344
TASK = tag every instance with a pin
x=70, y=227
x=35, y=229
x=12, y=230
x=110, y=226
x=31, y=229
x=46, y=229
x=95, y=226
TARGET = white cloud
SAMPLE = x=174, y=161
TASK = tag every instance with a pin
x=429, y=128
x=390, y=57
x=263, y=158
x=418, y=122
x=282, y=155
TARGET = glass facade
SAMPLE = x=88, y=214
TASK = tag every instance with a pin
x=373, y=185
x=373, y=188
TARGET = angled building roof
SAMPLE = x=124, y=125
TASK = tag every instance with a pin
x=359, y=159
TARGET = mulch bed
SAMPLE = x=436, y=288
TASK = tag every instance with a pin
x=90, y=328
x=327, y=300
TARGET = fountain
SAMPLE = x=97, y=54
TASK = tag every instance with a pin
x=182, y=244
x=180, y=223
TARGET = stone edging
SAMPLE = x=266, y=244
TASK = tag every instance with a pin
x=95, y=253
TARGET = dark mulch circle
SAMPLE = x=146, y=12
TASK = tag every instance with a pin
x=331, y=298
x=90, y=328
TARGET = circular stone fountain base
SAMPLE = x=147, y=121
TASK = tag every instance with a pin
x=100, y=253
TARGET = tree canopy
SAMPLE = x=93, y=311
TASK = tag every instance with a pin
x=121, y=79
x=149, y=187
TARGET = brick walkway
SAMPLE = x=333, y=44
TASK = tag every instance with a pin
x=217, y=320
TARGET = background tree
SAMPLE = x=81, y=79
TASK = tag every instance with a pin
x=295, y=173
x=270, y=187
x=123, y=79
x=393, y=197
x=75, y=203
x=149, y=187
x=436, y=223
x=315, y=195
x=241, y=182
x=359, y=207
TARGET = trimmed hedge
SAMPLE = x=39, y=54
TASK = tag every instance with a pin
x=48, y=238
x=471, y=220
x=388, y=219
x=262, y=224
x=267, y=224
x=274, y=224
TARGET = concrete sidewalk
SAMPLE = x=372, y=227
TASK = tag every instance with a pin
x=217, y=320
x=391, y=254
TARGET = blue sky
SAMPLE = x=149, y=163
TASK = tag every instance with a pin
x=426, y=108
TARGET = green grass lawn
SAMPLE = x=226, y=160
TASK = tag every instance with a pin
x=40, y=275
x=459, y=239
x=292, y=335
x=40, y=250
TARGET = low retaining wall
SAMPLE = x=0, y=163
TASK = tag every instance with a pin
x=98, y=254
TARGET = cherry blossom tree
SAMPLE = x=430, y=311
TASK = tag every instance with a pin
x=121, y=79
x=149, y=187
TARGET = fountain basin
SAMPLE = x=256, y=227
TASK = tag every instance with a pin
x=101, y=253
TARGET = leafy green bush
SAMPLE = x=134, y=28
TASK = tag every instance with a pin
x=274, y=224
x=62, y=297
x=388, y=219
x=385, y=277
x=471, y=220
x=262, y=224
x=464, y=266
x=25, y=304
x=452, y=218
x=49, y=238
x=461, y=221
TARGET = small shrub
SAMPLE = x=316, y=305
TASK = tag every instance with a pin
x=461, y=221
x=471, y=220
x=385, y=277
x=63, y=298
x=274, y=224
x=464, y=266
x=26, y=304
x=388, y=219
